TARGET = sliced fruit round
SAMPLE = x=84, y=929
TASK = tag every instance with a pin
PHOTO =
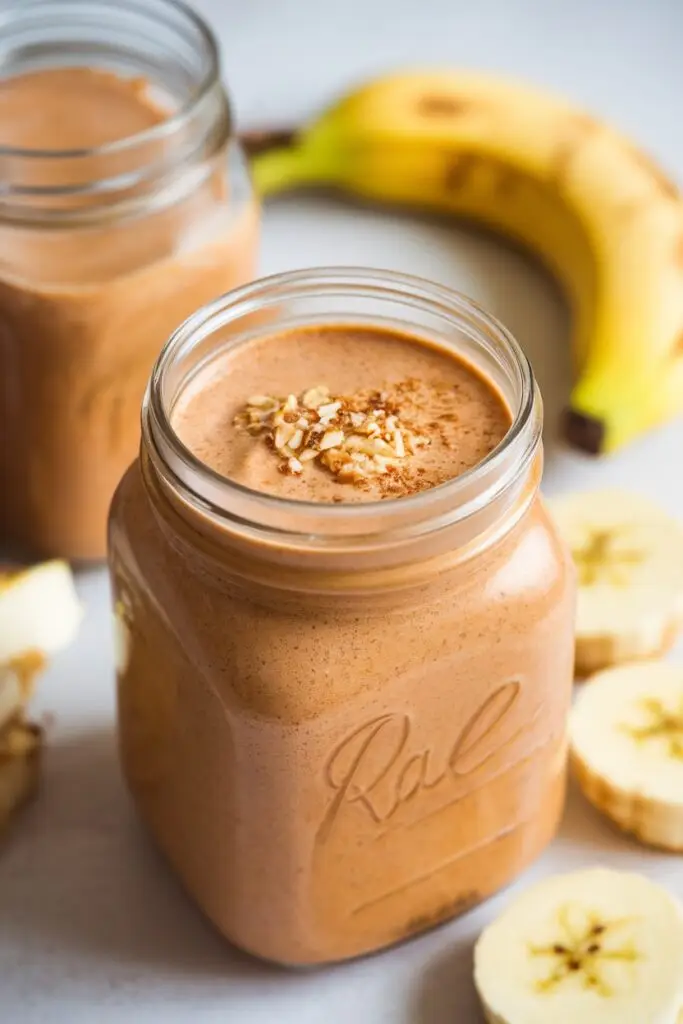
x=629, y=559
x=626, y=741
x=39, y=610
x=591, y=947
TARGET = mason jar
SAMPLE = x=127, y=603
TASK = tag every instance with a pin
x=104, y=247
x=342, y=723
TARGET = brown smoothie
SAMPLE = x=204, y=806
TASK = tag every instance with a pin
x=86, y=303
x=334, y=760
x=457, y=416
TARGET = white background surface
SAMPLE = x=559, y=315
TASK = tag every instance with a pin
x=92, y=926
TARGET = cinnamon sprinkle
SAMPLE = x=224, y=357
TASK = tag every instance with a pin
x=358, y=438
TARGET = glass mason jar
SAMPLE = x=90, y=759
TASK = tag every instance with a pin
x=343, y=723
x=103, y=251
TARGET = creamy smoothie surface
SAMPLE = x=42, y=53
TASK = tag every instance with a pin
x=74, y=108
x=340, y=413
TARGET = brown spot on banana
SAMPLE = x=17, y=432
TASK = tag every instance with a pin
x=435, y=105
x=459, y=167
x=507, y=181
x=678, y=347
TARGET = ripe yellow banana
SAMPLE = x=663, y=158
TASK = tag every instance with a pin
x=597, y=211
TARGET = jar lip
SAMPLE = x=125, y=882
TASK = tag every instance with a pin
x=441, y=505
x=155, y=132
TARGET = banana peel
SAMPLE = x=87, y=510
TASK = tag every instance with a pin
x=596, y=210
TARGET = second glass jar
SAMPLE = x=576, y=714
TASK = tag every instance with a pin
x=103, y=249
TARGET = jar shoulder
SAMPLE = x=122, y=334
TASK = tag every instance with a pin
x=278, y=655
x=130, y=516
x=535, y=560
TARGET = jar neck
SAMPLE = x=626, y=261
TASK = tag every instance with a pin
x=457, y=518
x=269, y=569
x=161, y=42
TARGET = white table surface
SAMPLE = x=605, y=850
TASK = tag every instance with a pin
x=92, y=926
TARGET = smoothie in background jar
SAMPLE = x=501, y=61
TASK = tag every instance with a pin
x=125, y=205
x=345, y=619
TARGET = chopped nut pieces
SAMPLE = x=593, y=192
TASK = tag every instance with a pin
x=355, y=437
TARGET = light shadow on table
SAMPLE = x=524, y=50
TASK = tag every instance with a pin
x=80, y=876
x=445, y=991
x=590, y=832
x=82, y=888
x=584, y=826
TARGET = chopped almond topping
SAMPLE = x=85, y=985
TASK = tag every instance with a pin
x=354, y=437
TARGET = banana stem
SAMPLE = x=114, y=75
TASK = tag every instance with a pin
x=277, y=170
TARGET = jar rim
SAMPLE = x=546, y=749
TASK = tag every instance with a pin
x=155, y=132
x=254, y=511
